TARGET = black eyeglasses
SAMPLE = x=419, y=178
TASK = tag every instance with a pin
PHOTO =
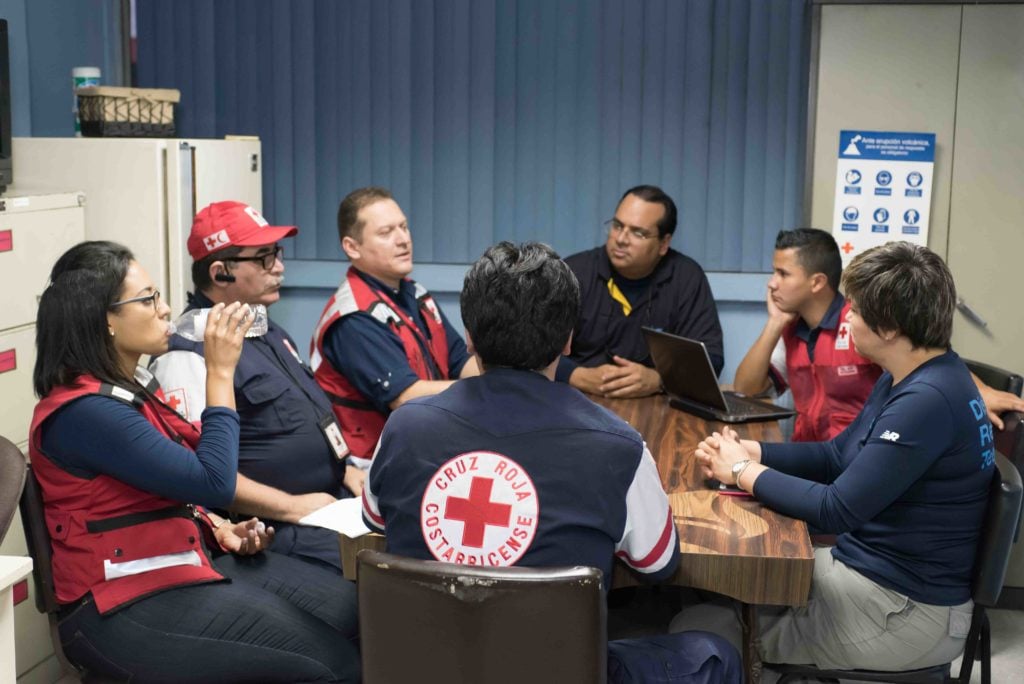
x=616, y=226
x=267, y=260
x=149, y=300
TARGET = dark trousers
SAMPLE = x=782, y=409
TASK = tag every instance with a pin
x=279, y=620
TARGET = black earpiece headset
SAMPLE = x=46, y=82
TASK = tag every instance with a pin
x=224, y=277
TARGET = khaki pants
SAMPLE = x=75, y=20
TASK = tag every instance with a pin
x=850, y=622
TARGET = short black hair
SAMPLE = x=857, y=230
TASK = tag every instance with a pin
x=201, y=269
x=905, y=288
x=655, y=195
x=816, y=251
x=72, y=338
x=520, y=304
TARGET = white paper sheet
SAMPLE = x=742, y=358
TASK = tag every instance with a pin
x=344, y=515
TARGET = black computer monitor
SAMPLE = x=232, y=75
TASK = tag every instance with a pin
x=6, y=171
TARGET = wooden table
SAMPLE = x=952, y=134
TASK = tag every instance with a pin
x=730, y=545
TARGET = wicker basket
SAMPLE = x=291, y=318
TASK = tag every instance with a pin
x=107, y=111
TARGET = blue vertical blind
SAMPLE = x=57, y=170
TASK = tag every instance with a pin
x=502, y=119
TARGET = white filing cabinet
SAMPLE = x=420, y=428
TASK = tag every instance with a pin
x=35, y=229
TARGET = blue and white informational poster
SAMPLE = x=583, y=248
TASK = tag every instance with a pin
x=883, y=189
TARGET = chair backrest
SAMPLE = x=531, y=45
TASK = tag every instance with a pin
x=997, y=378
x=13, y=465
x=37, y=538
x=1002, y=519
x=1010, y=440
x=467, y=623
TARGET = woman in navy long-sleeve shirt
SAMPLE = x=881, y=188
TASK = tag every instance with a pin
x=904, y=486
x=139, y=574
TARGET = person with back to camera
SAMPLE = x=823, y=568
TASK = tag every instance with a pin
x=562, y=480
x=153, y=588
x=904, y=487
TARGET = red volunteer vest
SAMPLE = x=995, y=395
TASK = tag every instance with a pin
x=107, y=536
x=361, y=423
x=829, y=392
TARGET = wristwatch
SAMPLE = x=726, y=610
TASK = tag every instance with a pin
x=737, y=470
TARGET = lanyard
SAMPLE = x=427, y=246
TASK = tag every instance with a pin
x=271, y=354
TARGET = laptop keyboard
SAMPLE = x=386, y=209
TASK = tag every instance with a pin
x=740, y=406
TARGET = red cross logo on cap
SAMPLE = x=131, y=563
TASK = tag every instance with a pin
x=477, y=512
x=217, y=240
x=847, y=248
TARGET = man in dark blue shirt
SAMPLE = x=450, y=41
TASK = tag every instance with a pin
x=289, y=463
x=510, y=468
x=381, y=339
x=635, y=280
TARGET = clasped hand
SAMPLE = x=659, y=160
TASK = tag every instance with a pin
x=627, y=379
x=718, y=453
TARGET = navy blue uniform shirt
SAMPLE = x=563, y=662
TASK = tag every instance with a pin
x=372, y=357
x=905, y=485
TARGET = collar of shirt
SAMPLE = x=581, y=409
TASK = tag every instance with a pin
x=830, y=321
x=605, y=271
x=404, y=297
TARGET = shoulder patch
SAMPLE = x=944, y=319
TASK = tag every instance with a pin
x=843, y=336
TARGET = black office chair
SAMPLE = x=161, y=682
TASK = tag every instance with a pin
x=13, y=467
x=997, y=378
x=37, y=538
x=1010, y=440
x=1000, y=529
x=479, y=624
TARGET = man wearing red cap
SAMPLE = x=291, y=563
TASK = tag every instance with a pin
x=291, y=457
x=381, y=339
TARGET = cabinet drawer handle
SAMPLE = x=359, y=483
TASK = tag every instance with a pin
x=8, y=360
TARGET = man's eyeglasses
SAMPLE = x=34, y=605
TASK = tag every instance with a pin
x=267, y=260
x=148, y=300
x=616, y=226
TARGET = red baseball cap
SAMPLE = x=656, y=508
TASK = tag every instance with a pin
x=232, y=224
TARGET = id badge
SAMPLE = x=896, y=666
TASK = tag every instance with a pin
x=332, y=433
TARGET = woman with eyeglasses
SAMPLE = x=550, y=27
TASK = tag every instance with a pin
x=154, y=588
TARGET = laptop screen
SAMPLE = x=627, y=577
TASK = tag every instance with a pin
x=685, y=368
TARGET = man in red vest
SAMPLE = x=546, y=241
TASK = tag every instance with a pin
x=381, y=339
x=805, y=344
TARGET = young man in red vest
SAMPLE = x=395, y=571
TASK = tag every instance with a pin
x=381, y=340
x=805, y=344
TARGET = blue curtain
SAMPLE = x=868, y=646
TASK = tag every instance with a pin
x=503, y=119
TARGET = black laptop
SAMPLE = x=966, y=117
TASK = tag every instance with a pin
x=689, y=379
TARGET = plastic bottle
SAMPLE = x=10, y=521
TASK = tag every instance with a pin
x=192, y=324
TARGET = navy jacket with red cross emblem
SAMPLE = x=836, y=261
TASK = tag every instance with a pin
x=510, y=468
